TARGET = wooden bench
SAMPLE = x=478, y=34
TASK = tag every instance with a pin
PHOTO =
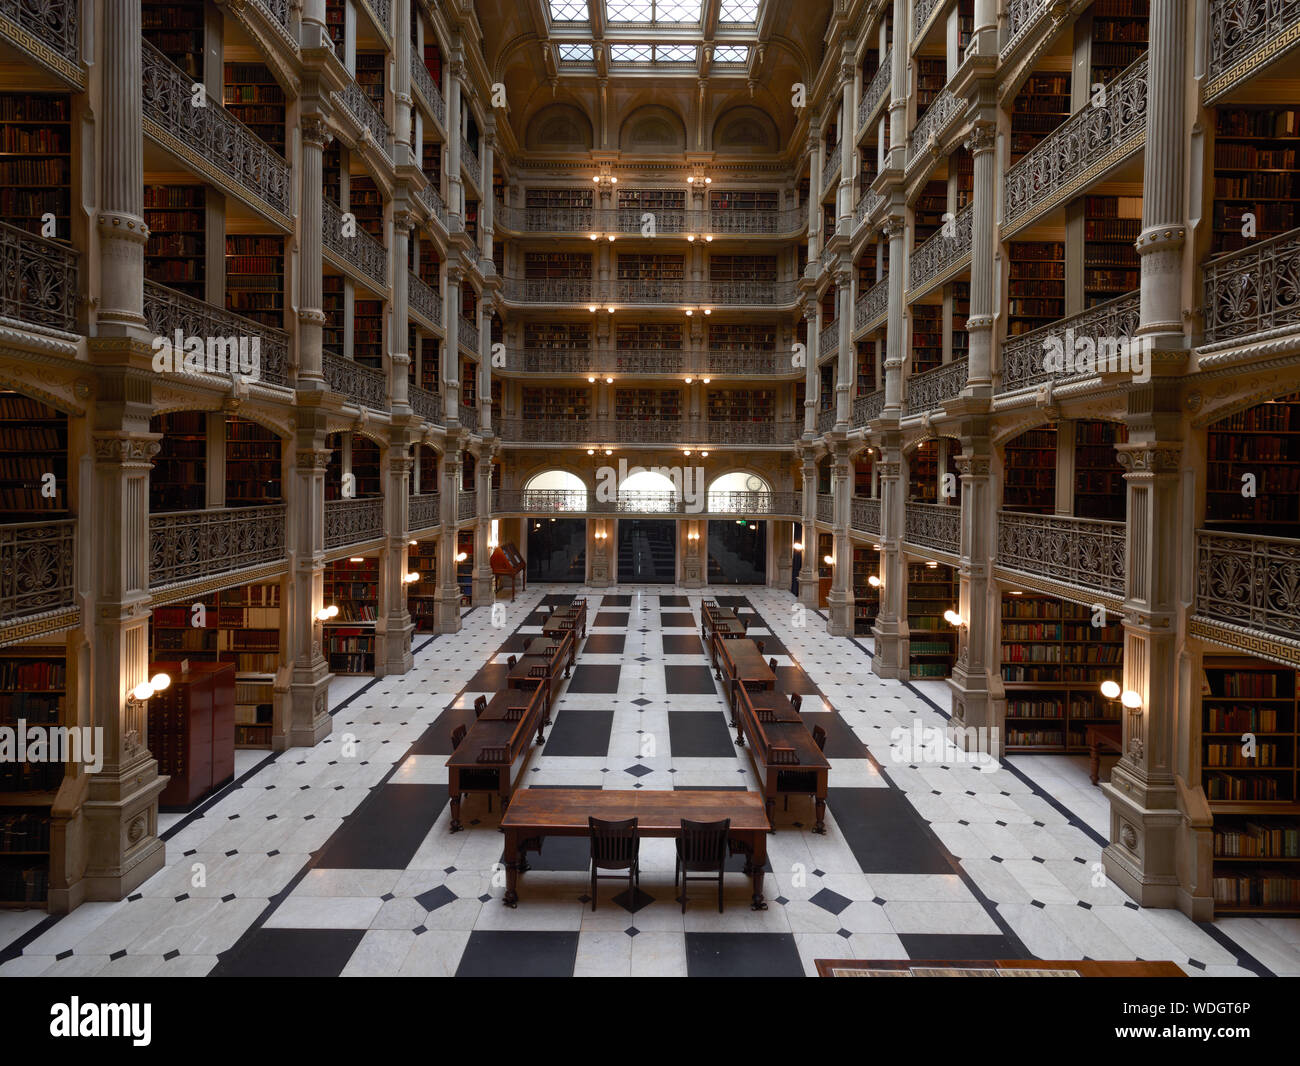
x=496, y=741
x=787, y=757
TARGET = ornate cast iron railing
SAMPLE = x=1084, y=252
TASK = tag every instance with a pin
x=872, y=305
x=1249, y=581
x=167, y=311
x=921, y=12
x=1024, y=357
x=1244, y=35
x=382, y=10
x=828, y=340
x=933, y=525
x=1021, y=15
x=433, y=201
x=875, y=92
x=866, y=514
x=353, y=521
x=825, y=420
x=649, y=361
x=212, y=134
x=422, y=81
x=831, y=167
x=928, y=391
x=867, y=408
x=579, y=501
x=938, y=119
x=469, y=161
x=188, y=545
x=547, y=290
x=360, y=250
x=825, y=507
x=428, y=405
x=359, y=105
x=599, y=431
x=423, y=511
x=36, y=568
x=1090, y=142
x=361, y=384
x=39, y=280
x=467, y=334
x=1254, y=290
x=631, y=220
x=466, y=505
x=424, y=300
x=468, y=417
x=277, y=9
x=53, y=22
x=1079, y=551
x=943, y=252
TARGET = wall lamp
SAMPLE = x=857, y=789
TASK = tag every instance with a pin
x=326, y=613
x=145, y=690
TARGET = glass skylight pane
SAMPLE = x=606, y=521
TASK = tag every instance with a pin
x=569, y=11
x=630, y=53
x=677, y=11
x=731, y=53
x=675, y=53
x=629, y=10
x=576, y=53
x=738, y=11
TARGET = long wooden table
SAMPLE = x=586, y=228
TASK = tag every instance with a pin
x=738, y=662
x=546, y=647
x=785, y=754
x=536, y=813
x=572, y=617
x=486, y=756
x=714, y=619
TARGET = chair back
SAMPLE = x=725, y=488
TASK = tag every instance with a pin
x=704, y=844
x=480, y=705
x=771, y=664
x=796, y=700
x=538, y=671
x=510, y=663
x=613, y=844
x=494, y=753
x=783, y=756
x=764, y=715
x=515, y=714
x=457, y=735
x=819, y=737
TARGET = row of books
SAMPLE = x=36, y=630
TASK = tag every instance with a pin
x=1262, y=840
x=34, y=109
x=1248, y=157
x=1255, y=787
x=40, y=675
x=1232, y=755
x=30, y=776
x=24, y=884
x=1086, y=674
x=24, y=831
x=1241, y=719
x=1257, y=890
x=1239, y=186
x=1256, y=122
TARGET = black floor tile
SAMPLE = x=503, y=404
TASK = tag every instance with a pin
x=603, y=644
x=504, y=953
x=580, y=733
x=793, y=679
x=689, y=680
x=436, y=740
x=610, y=619
x=557, y=599
x=683, y=644
x=491, y=678
x=733, y=601
x=885, y=833
x=699, y=736
x=386, y=830
x=563, y=854
x=741, y=954
x=289, y=953
x=616, y=601
x=771, y=644
x=515, y=643
x=676, y=620
x=590, y=678
x=957, y=946
x=841, y=741
x=674, y=601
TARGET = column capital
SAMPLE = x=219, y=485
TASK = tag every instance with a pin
x=126, y=449
x=311, y=459
x=404, y=219
x=982, y=137
x=1149, y=457
x=316, y=131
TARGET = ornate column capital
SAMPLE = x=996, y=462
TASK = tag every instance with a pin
x=404, y=219
x=973, y=465
x=1149, y=457
x=400, y=464
x=982, y=137
x=125, y=449
x=316, y=131
x=893, y=226
x=311, y=459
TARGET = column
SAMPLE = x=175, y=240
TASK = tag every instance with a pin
x=979, y=324
x=984, y=38
x=890, y=659
x=394, y=628
x=405, y=151
x=311, y=316
x=484, y=369
x=455, y=185
x=487, y=146
x=808, y=571
x=450, y=374
x=814, y=149
x=308, y=705
x=399, y=359
x=846, y=368
x=484, y=582
x=447, y=598
x=895, y=229
x=693, y=537
x=848, y=141
x=840, y=599
x=812, y=314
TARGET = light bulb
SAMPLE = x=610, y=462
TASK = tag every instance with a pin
x=356, y=559
x=595, y=236
x=591, y=451
x=1110, y=690
x=798, y=545
x=690, y=180
x=610, y=310
x=704, y=455
x=613, y=181
x=142, y=691
x=706, y=380
x=592, y=310
x=689, y=380
x=609, y=381
x=828, y=560
x=690, y=237
x=1131, y=699
x=591, y=379
x=462, y=556
x=686, y=451
x=160, y=682
x=332, y=610
x=609, y=451
x=873, y=581
x=708, y=181
x=411, y=577
x=708, y=237
x=610, y=238
x=953, y=618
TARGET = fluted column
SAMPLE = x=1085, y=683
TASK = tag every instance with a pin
x=812, y=314
x=486, y=211
x=311, y=316
x=980, y=323
x=846, y=366
x=451, y=348
x=455, y=185
x=484, y=582
x=814, y=190
x=399, y=335
x=840, y=600
x=394, y=627
x=484, y=369
x=308, y=715
x=984, y=37
x=808, y=569
x=898, y=59
x=848, y=142
x=447, y=598
x=890, y=659
x=895, y=230
x=405, y=151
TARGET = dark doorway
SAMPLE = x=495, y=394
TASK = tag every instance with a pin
x=647, y=551
x=557, y=549
x=737, y=552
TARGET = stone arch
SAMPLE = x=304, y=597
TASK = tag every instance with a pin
x=729, y=491
x=653, y=129
x=745, y=129
x=559, y=128
x=554, y=488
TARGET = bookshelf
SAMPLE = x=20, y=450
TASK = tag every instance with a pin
x=959, y=293
x=652, y=199
x=366, y=202
x=1100, y=490
x=1029, y=473
x=742, y=337
x=1036, y=285
x=332, y=172
x=1255, y=170
x=927, y=338
x=368, y=333
x=740, y=405
x=255, y=278
x=33, y=687
x=539, y=266
x=430, y=369
x=932, y=642
x=175, y=28
x=866, y=600
x=254, y=97
x=1053, y=663
x=370, y=76
x=1263, y=440
x=352, y=585
x=433, y=63
x=568, y=199
x=332, y=306
x=465, y=567
x=1253, y=798
x=177, y=219
x=33, y=443
x=555, y=403
x=1042, y=105
x=36, y=161
x=867, y=268
x=431, y=162
x=649, y=336
x=923, y=473
x=336, y=23
x=648, y=405
x=364, y=468
x=468, y=383
x=866, y=367
x=559, y=336
x=742, y=267
x=1111, y=264
x=179, y=476
x=961, y=167
x=1119, y=36
x=430, y=265
x=931, y=77
x=740, y=200
x=646, y=267
x=928, y=212
x=421, y=595
x=253, y=471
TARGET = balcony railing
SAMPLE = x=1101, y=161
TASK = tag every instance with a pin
x=362, y=109
x=944, y=111
x=831, y=167
x=424, y=511
x=36, y=568
x=579, y=501
x=874, y=94
x=424, y=301
x=469, y=161
x=382, y=11
x=828, y=340
x=189, y=545
x=928, y=391
x=54, y=24
x=547, y=290
x=825, y=420
x=1254, y=290
x=745, y=292
x=210, y=137
x=360, y=250
x=1245, y=35
x=469, y=417
x=872, y=306
x=467, y=334
x=943, y=253
x=361, y=384
x=1021, y=16
x=39, y=281
x=866, y=514
x=730, y=220
x=630, y=220
x=825, y=507
x=933, y=525
x=1084, y=552
x=628, y=291
x=649, y=361
x=868, y=408
x=167, y=311
x=353, y=521
x=422, y=80
x=599, y=431
x=428, y=405
x=921, y=12
x=278, y=10
x=1089, y=143
x=1024, y=358
x=1249, y=581
x=466, y=505
x=433, y=201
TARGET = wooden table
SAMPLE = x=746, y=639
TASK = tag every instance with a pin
x=714, y=618
x=486, y=756
x=993, y=967
x=536, y=813
x=544, y=647
x=1102, y=736
x=743, y=663
x=777, y=703
x=786, y=756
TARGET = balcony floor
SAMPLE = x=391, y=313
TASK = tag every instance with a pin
x=391, y=891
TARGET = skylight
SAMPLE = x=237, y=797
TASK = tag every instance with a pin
x=675, y=53
x=659, y=12
x=631, y=53
x=576, y=53
x=653, y=53
x=742, y=11
x=731, y=53
x=569, y=11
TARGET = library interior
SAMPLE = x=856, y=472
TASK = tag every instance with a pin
x=833, y=458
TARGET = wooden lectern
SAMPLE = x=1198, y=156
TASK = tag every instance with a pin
x=508, y=563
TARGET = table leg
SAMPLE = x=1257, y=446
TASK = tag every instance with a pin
x=1094, y=761
x=820, y=827
x=758, y=859
x=511, y=898
x=455, y=810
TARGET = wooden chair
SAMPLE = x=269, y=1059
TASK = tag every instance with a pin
x=758, y=643
x=819, y=737
x=614, y=846
x=457, y=735
x=510, y=663
x=796, y=701
x=480, y=705
x=771, y=664
x=702, y=849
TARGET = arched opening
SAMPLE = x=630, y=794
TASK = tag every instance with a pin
x=648, y=490
x=739, y=492
x=557, y=547
x=738, y=546
x=555, y=490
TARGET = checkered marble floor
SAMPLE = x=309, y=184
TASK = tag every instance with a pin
x=338, y=859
